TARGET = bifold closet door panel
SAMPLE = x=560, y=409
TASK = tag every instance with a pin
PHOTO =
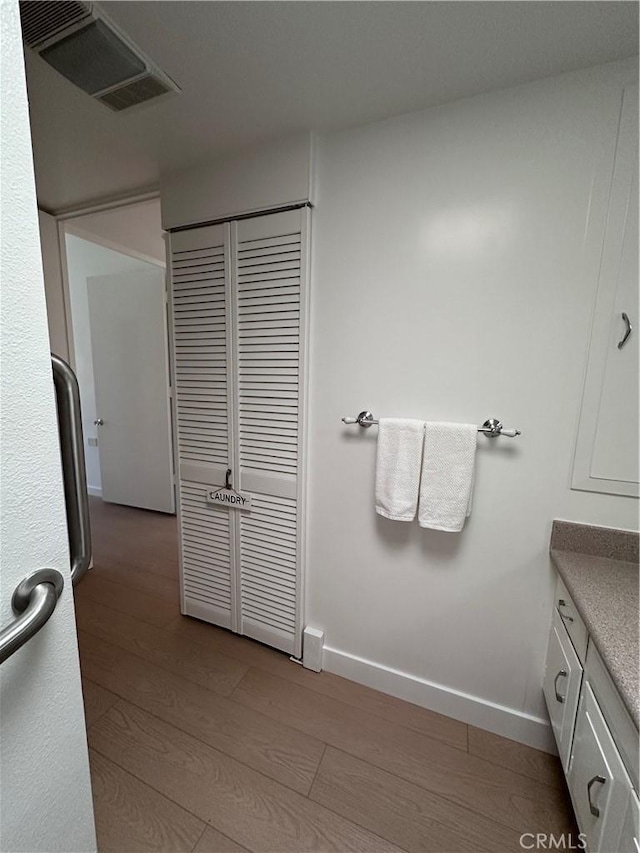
x=269, y=297
x=200, y=307
x=206, y=557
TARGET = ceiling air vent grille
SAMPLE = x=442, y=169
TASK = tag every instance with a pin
x=43, y=19
x=80, y=41
x=134, y=93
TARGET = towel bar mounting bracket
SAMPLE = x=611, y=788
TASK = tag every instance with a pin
x=365, y=419
x=492, y=427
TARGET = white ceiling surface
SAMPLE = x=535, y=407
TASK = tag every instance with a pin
x=254, y=71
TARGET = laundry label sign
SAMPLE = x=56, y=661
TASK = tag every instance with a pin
x=230, y=499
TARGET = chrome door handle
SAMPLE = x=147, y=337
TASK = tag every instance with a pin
x=595, y=811
x=34, y=600
x=98, y=422
x=628, y=331
x=561, y=674
x=73, y=468
x=563, y=603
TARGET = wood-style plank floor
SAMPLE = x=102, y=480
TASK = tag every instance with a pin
x=204, y=741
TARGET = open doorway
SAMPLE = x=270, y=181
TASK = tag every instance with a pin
x=106, y=304
x=110, y=324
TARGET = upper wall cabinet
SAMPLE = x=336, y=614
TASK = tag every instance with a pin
x=606, y=458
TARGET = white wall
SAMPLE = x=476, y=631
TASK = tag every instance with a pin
x=252, y=180
x=134, y=229
x=45, y=793
x=455, y=261
x=86, y=259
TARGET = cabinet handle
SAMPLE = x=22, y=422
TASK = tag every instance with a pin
x=561, y=674
x=563, y=603
x=628, y=330
x=595, y=811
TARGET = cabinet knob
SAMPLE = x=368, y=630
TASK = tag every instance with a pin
x=561, y=674
x=595, y=811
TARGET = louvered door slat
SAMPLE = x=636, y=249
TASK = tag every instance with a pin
x=194, y=279
x=248, y=328
x=256, y=289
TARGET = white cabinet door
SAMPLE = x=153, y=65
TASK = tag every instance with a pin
x=606, y=457
x=597, y=779
x=561, y=686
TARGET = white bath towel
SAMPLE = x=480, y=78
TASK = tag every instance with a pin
x=398, y=463
x=446, y=485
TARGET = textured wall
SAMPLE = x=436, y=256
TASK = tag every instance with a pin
x=45, y=796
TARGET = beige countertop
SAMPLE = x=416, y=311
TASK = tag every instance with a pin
x=605, y=592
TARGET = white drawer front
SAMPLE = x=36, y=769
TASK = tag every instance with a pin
x=561, y=687
x=598, y=782
x=572, y=620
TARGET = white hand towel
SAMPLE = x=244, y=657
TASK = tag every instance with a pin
x=398, y=461
x=448, y=465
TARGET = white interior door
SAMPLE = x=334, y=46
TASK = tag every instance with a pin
x=45, y=793
x=130, y=364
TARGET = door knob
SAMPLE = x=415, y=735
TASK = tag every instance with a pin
x=98, y=422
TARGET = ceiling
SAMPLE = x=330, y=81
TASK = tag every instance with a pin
x=254, y=71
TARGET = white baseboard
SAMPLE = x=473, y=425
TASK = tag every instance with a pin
x=532, y=731
x=95, y=491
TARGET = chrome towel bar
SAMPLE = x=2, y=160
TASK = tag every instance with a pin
x=491, y=427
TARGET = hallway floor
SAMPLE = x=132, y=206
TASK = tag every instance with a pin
x=205, y=741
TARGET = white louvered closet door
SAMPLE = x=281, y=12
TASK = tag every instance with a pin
x=203, y=406
x=239, y=302
x=269, y=292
